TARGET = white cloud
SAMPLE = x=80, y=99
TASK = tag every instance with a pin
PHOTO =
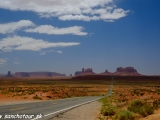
x=45, y=52
x=3, y=61
x=27, y=43
x=60, y=52
x=13, y=26
x=48, y=29
x=86, y=10
x=49, y=51
x=42, y=29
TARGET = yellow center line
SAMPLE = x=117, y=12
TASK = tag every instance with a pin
x=18, y=108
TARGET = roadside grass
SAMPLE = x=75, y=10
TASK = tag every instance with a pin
x=140, y=107
x=135, y=110
x=130, y=103
x=125, y=115
x=108, y=108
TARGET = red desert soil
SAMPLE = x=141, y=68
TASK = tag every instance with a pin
x=5, y=100
x=26, y=89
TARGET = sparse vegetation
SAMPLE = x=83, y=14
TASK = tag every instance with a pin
x=142, y=108
x=108, y=109
x=132, y=101
x=48, y=88
x=135, y=109
x=125, y=115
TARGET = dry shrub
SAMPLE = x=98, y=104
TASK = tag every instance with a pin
x=142, y=108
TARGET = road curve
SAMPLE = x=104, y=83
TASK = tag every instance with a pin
x=45, y=109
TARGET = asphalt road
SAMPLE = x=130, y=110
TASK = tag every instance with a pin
x=42, y=110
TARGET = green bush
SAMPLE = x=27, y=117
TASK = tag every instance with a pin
x=108, y=110
x=142, y=108
x=125, y=115
x=104, y=101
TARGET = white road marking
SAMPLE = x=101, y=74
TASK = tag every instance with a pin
x=66, y=109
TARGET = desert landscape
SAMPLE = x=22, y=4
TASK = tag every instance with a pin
x=126, y=90
x=99, y=58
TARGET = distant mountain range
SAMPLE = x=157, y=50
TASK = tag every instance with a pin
x=38, y=74
x=32, y=74
x=127, y=71
x=120, y=71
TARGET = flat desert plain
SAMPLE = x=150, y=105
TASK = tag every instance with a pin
x=49, y=88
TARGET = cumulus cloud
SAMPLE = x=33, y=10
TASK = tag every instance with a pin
x=3, y=61
x=13, y=26
x=85, y=10
x=28, y=43
x=48, y=29
x=42, y=29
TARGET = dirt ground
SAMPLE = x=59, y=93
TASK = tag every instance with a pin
x=48, y=88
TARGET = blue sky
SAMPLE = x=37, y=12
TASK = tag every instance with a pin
x=65, y=36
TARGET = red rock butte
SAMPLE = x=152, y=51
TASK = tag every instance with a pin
x=87, y=71
x=127, y=71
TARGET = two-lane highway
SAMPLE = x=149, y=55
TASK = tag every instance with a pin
x=45, y=109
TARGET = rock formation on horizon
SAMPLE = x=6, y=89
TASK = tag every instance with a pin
x=22, y=74
x=38, y=74
x=106, y=73
x=126, y=71
x=77, y=73
x=87, y=71
x=9, y=74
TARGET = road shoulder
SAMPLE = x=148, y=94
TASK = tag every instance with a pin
x=88, y=111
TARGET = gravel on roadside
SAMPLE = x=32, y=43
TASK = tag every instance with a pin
x=88, y=111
